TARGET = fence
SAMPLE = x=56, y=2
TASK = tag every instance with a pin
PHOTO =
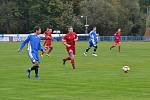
x=82, y=37
x=125, y=38
x=111, y=38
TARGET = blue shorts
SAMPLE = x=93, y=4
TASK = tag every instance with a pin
x=34, y=57
x=92, y=43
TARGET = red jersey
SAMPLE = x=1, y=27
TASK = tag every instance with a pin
x=75, y=36
x=48, y=38
x=117, y=36
x=70, y=38
x=48, y=35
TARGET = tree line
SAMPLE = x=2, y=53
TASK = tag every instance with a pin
x=20, y=16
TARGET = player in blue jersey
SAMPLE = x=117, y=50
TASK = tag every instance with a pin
x=33, y=41
x=92, y=42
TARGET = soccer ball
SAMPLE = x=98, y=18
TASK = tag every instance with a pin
x=125, y=69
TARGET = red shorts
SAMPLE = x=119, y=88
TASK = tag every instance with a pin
x=71, y=49
x=117, y=41
x=47, y=44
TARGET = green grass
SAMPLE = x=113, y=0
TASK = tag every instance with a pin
x=96, y=78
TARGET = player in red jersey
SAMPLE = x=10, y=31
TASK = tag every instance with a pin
x=47, y=42
x=117, y=39
x=69, y=41
x=75, y=36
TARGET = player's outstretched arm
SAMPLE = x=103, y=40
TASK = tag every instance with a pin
x=23, y=44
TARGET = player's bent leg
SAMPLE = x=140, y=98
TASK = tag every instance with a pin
x=37, y=66
x=94, y=52
x=36, y=61
x=66, y=59
x=36, y=69
x=72, y=59
x=33, y=59
x=31, y=69
x=50, y=49
x=119, y=47
x=28, y=72
x=86, y=51
x=114, y=45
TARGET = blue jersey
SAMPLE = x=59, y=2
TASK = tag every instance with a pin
x=92, y=38
x=34, y=44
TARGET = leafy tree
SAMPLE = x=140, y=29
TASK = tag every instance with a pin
x=20, y=16
x=9, y=17
x=101, y=14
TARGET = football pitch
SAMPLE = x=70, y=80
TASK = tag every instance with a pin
x=96, y=78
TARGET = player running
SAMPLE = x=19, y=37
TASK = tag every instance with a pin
x=69, y=41
x=47, y=42
x=117, y=39
x=92, y=42
x=34, y=45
